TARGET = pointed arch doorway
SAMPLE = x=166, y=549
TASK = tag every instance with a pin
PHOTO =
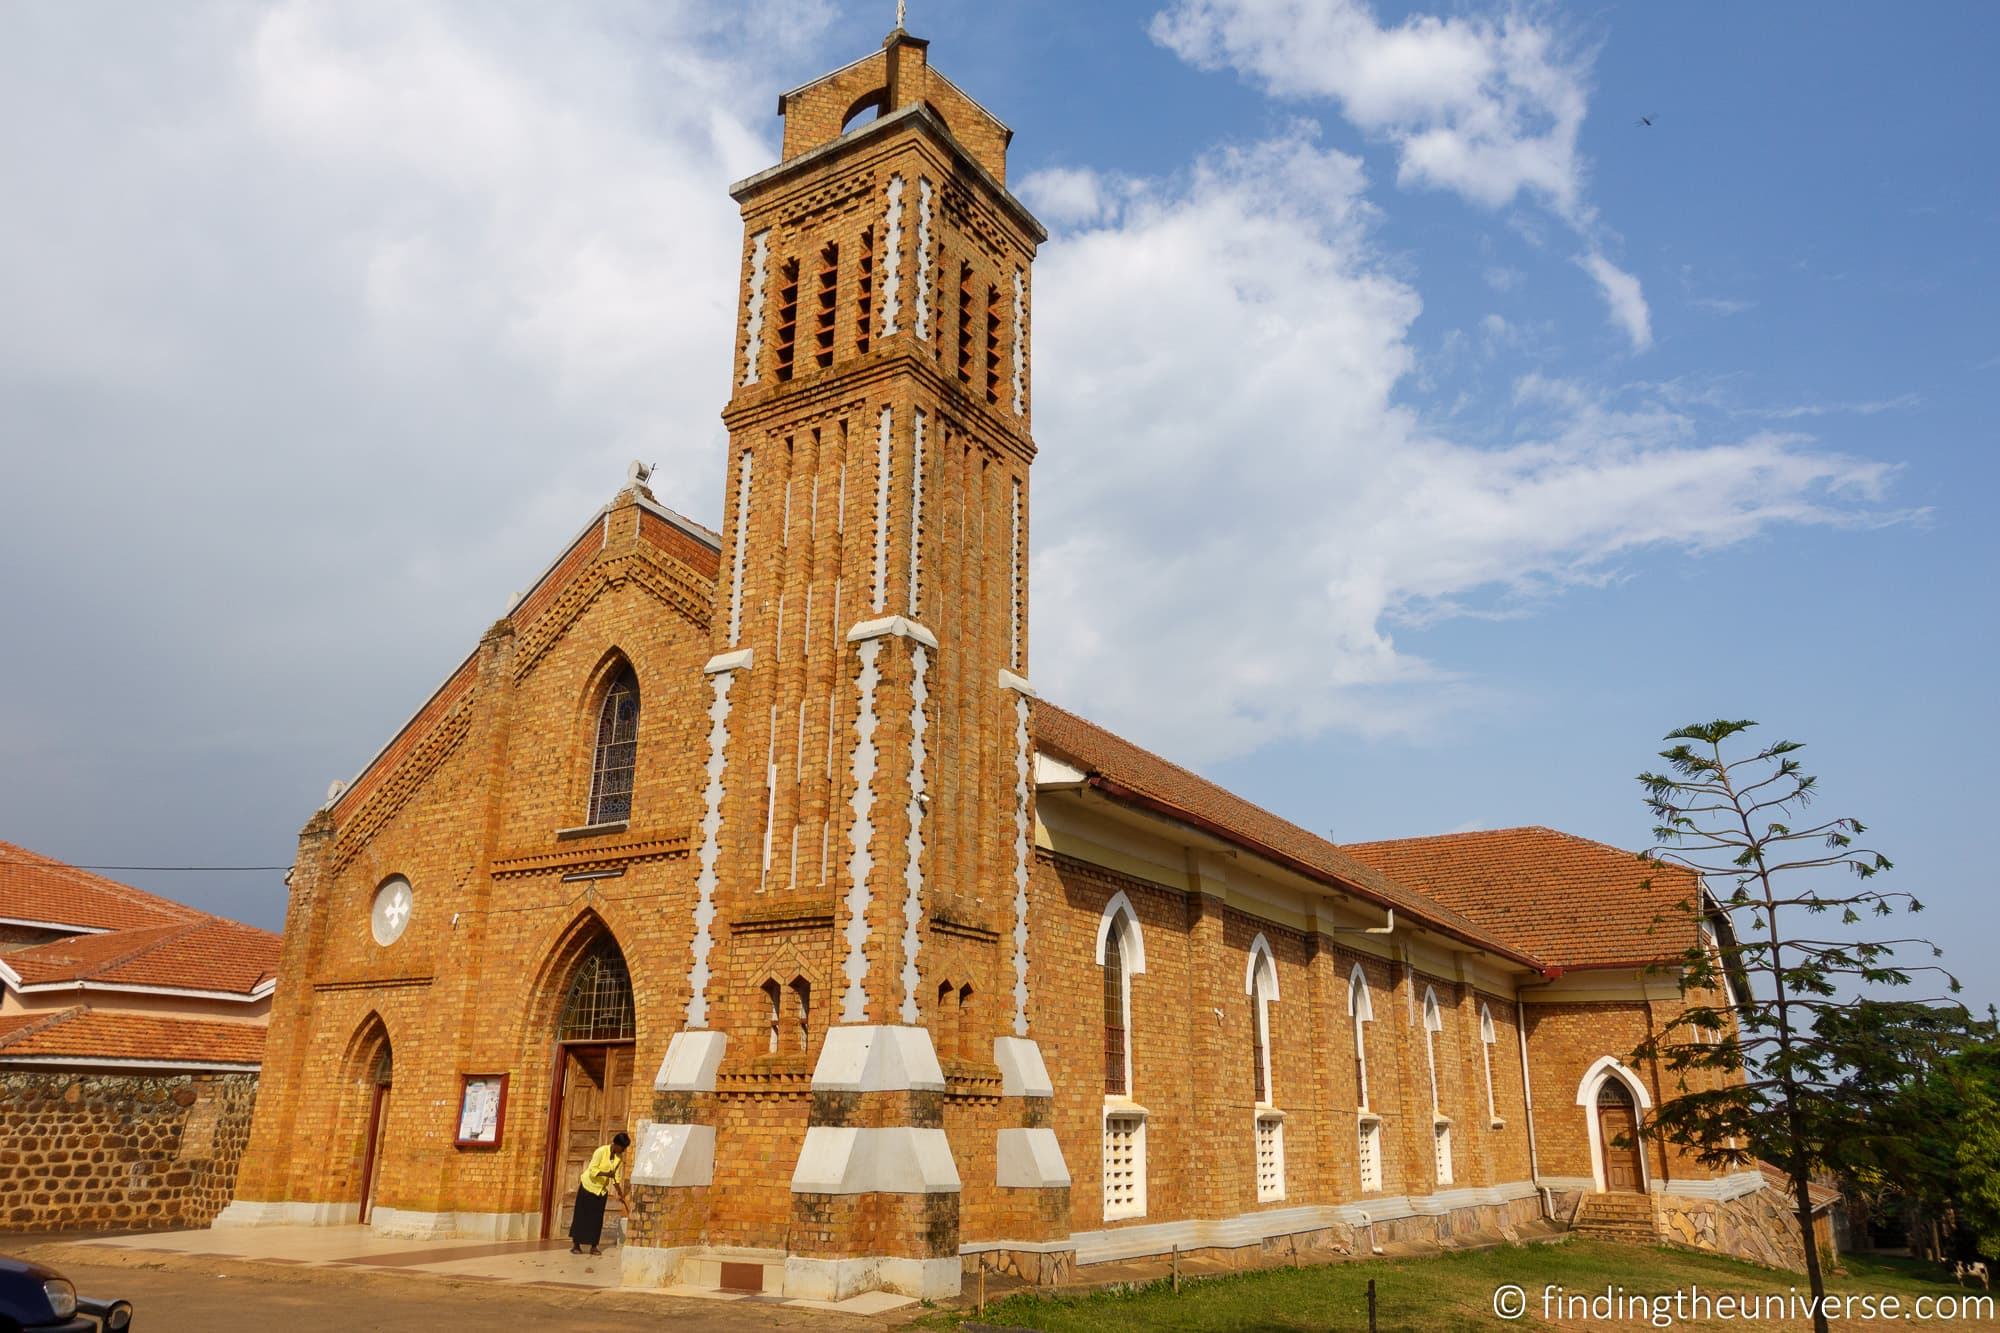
x=1618, y=1135
x=591, y=1084
x=373, y=1063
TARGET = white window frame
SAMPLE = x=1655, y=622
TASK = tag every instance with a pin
x=1136, y=1205
x=1486, y=1039
x=1360, y=1009
x=1260, y=983
x=1440, y=1122
x=1368, y=1125
x=1121, y=916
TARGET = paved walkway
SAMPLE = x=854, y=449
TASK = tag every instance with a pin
x=534, y=1263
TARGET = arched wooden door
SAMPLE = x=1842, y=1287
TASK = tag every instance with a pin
x=591, y=1096
x=1618, y=1138
x=379, y=1081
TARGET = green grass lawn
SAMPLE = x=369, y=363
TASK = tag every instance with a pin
x=1447, y=1292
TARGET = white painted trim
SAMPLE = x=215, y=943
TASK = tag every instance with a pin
x=736, y=661
x=407, y=1222
x=1018, y=684
x=96, y=1062
x=1119, y=1243
x=1023, y=1073
x=70, y=928
x=1053, y=774
x=1719, y=1189
x=1604, y=1067
x=675, y=1156
x=753, y=342
x=838, y=1279
x=1365, y=1010
x=1029, y=1159
x=1262, y=946
x=1021, y=836
x=285, y=1213
x=877, y=1058
x=900, y=626
x=262, y=988
x=860, y=834
x=691, y=1061
x=1131, y=939
x=899, y=1159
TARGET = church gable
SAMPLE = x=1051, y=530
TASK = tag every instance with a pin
x=633, y=543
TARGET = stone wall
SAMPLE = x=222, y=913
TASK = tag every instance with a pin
x=105, y=1151
x=1759, y=1226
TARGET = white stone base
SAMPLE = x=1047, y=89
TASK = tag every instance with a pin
x=837, y=1279
x=1022, y=1072
x=411, y=1224
x=877, y=1058
x=844, y=1159
x=691, y=1062
x=261, y=1213
x=675, y=1155
x=650, y=1265
x=1029, y=1159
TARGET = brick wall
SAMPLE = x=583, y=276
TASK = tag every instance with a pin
x=101, y=1151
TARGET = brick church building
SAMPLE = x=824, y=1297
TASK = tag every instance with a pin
x=760, y=845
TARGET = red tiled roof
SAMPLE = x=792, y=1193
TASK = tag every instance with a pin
x=34, y=887
x=83, y=1034
x=1127, y=772
x=1574, y=902
x=209, y=953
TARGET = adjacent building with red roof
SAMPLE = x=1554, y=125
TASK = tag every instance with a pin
x=131, y=1034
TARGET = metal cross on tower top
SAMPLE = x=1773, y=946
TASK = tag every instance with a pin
x=902, y=11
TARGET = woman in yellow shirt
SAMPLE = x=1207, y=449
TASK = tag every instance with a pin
x=605, y=1172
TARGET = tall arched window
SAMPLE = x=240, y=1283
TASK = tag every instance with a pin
x=617, y=754
x=1486, y=1055
x=1121, y=954
x=599, y=1004
x=1368, y=1145
x=1440, y=1122
x=1115, y=1082
x=1261, y=982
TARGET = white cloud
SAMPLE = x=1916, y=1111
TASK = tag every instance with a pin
x=1234, y=512
x=1487, y=107
x=1064, y=196
x=1622, y=296
x=330, y=323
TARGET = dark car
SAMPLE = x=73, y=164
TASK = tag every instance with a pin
x=34, y=1299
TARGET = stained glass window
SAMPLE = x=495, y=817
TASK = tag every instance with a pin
x=617, y=751
x=599, y=1004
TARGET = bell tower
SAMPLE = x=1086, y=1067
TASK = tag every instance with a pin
x=860, y=904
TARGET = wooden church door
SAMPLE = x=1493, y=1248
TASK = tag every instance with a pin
x=1618, y=1135
x=596, y=1092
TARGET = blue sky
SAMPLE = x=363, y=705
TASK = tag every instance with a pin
x=1358, y=489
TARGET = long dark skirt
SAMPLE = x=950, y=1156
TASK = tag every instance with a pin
x=587, y=1226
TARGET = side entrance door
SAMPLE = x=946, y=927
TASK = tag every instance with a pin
x=1618, y=1132
x=595, y=1089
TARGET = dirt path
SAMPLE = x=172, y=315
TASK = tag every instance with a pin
x=187, y=1295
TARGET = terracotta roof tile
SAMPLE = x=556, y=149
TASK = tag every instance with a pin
x=84, y=1034
x=1198, y=800
x=206, y=954
x=34, y=887
x=1574, y=902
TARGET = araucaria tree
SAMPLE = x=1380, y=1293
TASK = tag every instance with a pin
x=1776, y=950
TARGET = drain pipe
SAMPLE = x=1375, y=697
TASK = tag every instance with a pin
x=1528, y=1092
